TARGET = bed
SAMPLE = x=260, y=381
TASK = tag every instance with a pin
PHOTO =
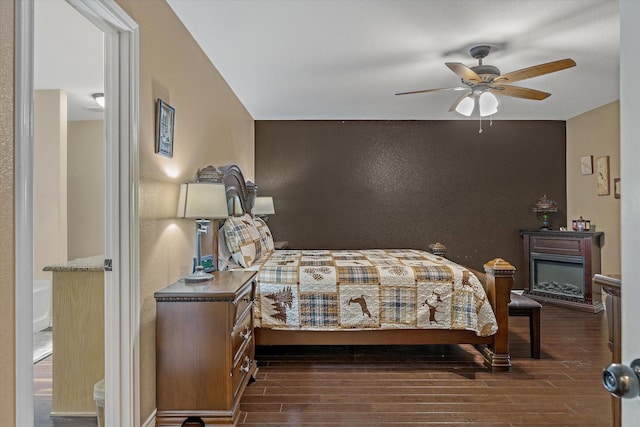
x=372, y=296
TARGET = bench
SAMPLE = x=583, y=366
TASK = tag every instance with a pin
x=521, y=305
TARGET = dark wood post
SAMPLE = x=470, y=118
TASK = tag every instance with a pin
x=499, y=284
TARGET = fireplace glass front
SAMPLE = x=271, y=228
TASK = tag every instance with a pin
x=557, y=274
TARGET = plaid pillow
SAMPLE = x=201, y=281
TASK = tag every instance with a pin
x=266, y=239
x=243, y=239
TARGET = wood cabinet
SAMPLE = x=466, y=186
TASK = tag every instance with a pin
x=559, y=267
x=78, y=335
x=205, y=349
x=612, y=286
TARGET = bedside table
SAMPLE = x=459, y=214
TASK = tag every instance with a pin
x=281, y=245
x=205, y=350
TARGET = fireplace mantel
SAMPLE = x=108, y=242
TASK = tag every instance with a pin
x=560, y=266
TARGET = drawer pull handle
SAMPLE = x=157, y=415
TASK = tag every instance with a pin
x=244, y=300
x=246, y=334
x=247, y=365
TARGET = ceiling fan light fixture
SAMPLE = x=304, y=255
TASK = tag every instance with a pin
x=99, y=98
x=465, y=107
x=488, y=104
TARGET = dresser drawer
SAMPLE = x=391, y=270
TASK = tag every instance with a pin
x=244, y=365
x=243, y=301
x=242, y=332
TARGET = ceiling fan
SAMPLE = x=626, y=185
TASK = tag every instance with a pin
x=485, y=81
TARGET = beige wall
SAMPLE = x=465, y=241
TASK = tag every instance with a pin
x=211, y=127
x=49, y=180
x=595, y=133
x=7, y=253
x=85, y=188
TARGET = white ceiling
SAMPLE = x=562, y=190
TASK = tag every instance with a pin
x=329, y=59
x=68, y=55
x=345, y=59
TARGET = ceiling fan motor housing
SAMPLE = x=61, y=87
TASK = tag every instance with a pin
x=487, y=72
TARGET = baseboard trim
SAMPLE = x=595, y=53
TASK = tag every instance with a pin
x=72, y=414
x=151, y=421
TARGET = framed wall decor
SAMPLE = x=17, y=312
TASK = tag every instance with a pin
x=165, y=119
x=602, y=176
x=617, y=190
x=586, y=165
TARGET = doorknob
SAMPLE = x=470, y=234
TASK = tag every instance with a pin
x=622, y=380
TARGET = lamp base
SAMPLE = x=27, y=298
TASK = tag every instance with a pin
x=198, y=276
x=546, y=223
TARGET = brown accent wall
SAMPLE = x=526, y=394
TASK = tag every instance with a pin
x=406, y=184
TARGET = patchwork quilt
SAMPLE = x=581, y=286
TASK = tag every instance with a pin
x=368, y=289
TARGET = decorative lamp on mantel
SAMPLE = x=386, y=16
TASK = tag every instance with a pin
x=204, y=202
x=544, y=206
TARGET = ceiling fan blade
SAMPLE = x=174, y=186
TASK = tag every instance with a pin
x=458, y=101
x=520, y=92
x=535, y=71
x=465, y=73
x=431, y=90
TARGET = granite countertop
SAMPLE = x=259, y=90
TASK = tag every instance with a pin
x=94, y=263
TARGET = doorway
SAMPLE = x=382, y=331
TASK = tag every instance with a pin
x=121, y=213
x=68, y=206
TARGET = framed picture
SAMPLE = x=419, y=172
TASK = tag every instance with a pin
x=586, y=165
x=616, y=188
x=602, y=176
x=165, y=118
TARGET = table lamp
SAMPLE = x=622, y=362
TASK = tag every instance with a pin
x=545, y=206
x=204, y=202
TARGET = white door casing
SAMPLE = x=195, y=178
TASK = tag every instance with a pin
x=121, y=204
x=630, y=198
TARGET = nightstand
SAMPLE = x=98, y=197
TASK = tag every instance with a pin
x=281, y=245
x=205, y=350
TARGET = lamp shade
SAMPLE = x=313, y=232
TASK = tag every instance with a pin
x=263, y=206
x=545, y=205
x=201, y=200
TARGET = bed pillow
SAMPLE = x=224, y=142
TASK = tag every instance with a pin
x=243, y=240
x=266, y=239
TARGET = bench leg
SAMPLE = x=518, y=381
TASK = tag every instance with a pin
x=534, y=332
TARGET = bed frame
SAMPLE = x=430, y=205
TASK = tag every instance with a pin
x=497, y=281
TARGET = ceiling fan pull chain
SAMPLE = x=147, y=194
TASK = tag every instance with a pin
x=480, y=131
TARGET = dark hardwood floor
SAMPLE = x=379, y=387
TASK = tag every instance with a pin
x=423, y=385
x=439, y=385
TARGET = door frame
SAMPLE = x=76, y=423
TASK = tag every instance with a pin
x=122, y=284
x=630, y=176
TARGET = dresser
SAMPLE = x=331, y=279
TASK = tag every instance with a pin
x=205, y=349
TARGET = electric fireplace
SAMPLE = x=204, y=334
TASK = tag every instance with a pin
x=561, y=275
x=560, y=266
